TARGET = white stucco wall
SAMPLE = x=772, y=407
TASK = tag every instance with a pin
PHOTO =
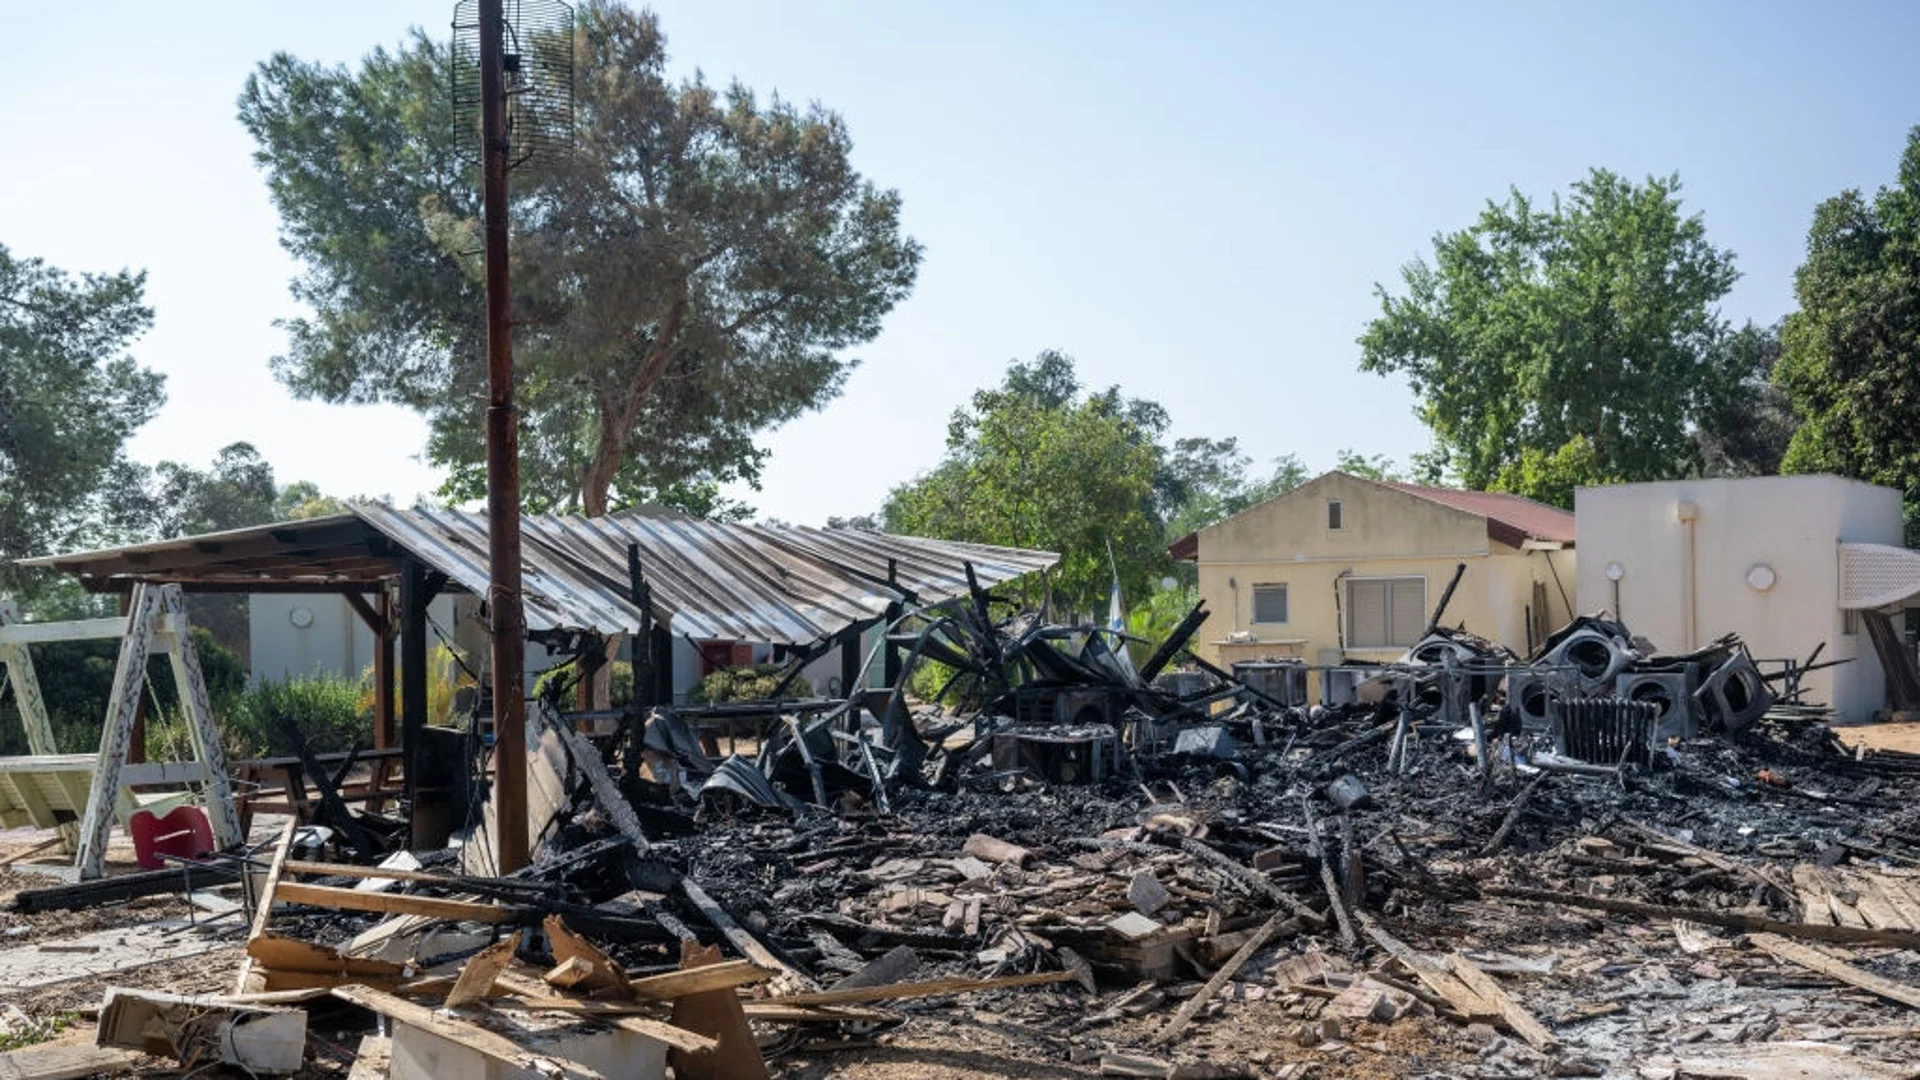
x=1793, y=524
x=336, y=643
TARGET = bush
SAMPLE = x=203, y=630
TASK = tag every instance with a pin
x=326, y=711
x=558, y=681
x=753, y=683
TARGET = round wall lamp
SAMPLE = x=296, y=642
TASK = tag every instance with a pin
x=1760, y=577
x=1615, y=571
x=301, y=617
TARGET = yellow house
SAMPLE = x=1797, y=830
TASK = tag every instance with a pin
x=1343, y=569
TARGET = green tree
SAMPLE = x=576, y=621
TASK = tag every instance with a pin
x=1580, y=337
x=236, y=492
x=1851, y=354
x=303, y=499
x=1033, y=463
x=1748, y=423
x=1204, y=480
x=690, y=275
x=1371, y=466
x=70, y=396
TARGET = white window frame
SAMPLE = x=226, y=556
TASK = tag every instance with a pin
x=1336, y=506
x=1346, y=609
x=1286, y=603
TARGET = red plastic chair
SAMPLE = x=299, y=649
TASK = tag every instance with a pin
x=183, y=833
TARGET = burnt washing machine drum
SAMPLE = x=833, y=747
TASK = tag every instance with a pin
x=1596, y=659
x=1670, y=692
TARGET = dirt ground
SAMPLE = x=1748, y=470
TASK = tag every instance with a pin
x=1902, y=737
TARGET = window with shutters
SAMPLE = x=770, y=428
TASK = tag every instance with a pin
x=1334, y=513
x=1385, y=613
x=1270, y=603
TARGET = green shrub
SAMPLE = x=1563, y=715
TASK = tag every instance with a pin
x=752, y=683
x=560, y=680
x=325, y=710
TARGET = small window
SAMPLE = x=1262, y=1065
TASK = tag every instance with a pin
x=1270, y=603
x=1333, y=513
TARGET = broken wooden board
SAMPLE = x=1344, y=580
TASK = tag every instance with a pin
x=477, y=974
x=1796, y=1060
x=1844, y=935
x=277, y=953
x=1434, y=976
x=927, y=988
x=591, y=972
x=487, y=1043
x=1517, y=1018
x=263, y=904
x=327, y=896
x=722, y=976
x=714, y=1013
x=1227, y=971
x=1814, y=960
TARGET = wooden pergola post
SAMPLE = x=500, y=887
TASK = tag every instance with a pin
x=413, y=673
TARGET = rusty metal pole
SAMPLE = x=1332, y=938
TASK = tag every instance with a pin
x=503, y=466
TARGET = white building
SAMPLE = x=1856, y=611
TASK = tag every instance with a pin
x=1775, y=559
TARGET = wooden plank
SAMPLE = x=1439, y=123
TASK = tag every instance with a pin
x=1844, y=913
x=263, y=904
x=1813, y=897
x=63, y=1061
x=1900, y=894
x=1471, y=1006
x=1876, y=906
x=1815, y=960
x=470, y=1035
x=1841, y=935
x=292, y=954
x=926, y=988
x=327, y=896
x=602, y=978
x=778, y=1012
x=1518, y=1019
x=722, y=976
x=1227, y=971
x=717, y=1014
x=371, y=873
x=679, y=1038
x=477, y=975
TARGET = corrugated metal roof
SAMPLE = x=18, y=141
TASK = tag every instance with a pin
x=775, y=583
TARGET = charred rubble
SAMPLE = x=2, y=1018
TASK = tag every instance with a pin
x=1119, y=839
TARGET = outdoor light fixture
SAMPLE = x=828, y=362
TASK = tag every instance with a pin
x=301, y=617
x=1615, y=571
x=1760, y=577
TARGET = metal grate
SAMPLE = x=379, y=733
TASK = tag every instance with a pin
x=1604, y=731
x=538, y=56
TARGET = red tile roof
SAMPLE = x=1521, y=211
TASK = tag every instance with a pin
x=1511, y=519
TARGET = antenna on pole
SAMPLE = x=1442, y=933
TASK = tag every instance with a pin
x=518, y=71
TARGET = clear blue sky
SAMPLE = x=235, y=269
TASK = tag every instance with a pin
x=1193, y=200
